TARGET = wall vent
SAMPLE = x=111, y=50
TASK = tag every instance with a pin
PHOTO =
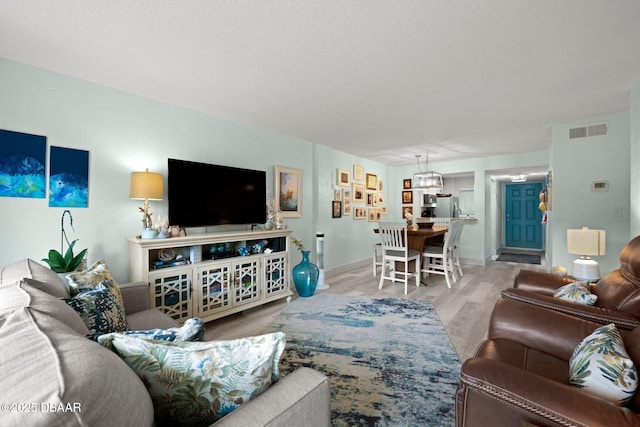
x=588, y=131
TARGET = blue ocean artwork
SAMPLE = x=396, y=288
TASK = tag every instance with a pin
x=68, y=178
x=22, y=159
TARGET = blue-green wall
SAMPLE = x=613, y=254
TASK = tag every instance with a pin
x=575, y=165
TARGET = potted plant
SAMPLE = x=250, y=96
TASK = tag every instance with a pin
x=69, y=262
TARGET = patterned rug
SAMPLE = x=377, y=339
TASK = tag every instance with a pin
x=389, y=360
x=521, y=258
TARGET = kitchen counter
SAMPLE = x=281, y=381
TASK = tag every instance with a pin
x=466, y=218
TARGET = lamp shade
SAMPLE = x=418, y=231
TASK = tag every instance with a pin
x=586, y=242
x=146, y=185
x=428, y=180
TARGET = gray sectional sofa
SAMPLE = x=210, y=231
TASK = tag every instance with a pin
x=54, y=376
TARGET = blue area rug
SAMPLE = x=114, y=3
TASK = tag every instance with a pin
x=389, y=360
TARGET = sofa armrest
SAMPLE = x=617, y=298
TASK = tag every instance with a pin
x=135, y=296
x=596, y=314
x=300, y=398
x=539, y=281
x=494, y=393
x=531, y=326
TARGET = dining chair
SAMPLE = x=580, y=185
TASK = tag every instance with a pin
x=377, y=249
x=439, y=259
x=457, y=267
x=395, y=250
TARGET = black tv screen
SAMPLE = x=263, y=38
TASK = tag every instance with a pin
x=202, y=194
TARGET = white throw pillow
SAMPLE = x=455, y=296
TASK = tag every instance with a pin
x=601, y=366
x=576, y=292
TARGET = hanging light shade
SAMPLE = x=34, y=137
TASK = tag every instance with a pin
x=429, y=180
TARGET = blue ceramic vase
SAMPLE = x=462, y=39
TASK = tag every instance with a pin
x=305, y=276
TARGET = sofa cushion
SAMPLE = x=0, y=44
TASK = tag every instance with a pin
x=39, y=276
x=196, y=383
x=20, y=294
x=80, y=281
x=576, y=292
x=601, y=366
x=45, y=362
x=191, y=330
x=100, y=310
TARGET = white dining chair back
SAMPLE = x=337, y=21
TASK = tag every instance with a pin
x=439, y=259
x=457, y=266
x=396, y=253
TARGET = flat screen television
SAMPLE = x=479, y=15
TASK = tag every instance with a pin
x=202, y=194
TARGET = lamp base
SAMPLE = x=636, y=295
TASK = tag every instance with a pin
x=586, y=269
x=148, y=233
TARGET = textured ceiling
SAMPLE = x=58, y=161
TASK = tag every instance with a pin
x=384, y=80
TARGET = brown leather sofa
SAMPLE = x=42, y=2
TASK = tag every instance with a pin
x=618, y=292
x=519, y=375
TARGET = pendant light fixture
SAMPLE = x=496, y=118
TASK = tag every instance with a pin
x=431, y=181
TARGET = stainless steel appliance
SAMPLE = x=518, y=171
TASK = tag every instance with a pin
x=446, y=207
x=428, y=209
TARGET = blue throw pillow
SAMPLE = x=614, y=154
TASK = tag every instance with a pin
x=191, y=330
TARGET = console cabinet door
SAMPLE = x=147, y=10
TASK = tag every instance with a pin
x=213, y=289
x=276, y=278
x=246, y=280
x=171, y=292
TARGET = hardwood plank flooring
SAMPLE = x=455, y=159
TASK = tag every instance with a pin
x=464, y=309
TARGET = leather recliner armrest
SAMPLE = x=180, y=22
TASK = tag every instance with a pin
x=596, y=314
x=545, y=330
x=494, y=393
x=540, y=281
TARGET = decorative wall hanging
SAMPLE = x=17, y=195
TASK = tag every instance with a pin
x=358, y=173
x=359, y=213
x=288, y=191
x=358, y=193
x=344, y=178
x=407, y=197
x=346, y=202
x=22, y=161
x=336, y=209
x=372, y=181
x=406, y=184
x=68, y=177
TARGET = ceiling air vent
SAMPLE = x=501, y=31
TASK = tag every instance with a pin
x=587, y=131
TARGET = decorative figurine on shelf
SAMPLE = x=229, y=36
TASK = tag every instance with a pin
x=279, y=222
x=162, y=227
x=270, y=215
x=305, y=274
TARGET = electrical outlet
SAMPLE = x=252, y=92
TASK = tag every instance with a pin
x=617, y=212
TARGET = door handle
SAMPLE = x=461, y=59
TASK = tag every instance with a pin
x=508, y=217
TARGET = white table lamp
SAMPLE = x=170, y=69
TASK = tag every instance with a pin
x=586, y=243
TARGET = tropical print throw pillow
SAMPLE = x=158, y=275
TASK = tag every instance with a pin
x=196, y=383
x=577, y=292
x=601, y=366
x=82, y=281
x=192, y=330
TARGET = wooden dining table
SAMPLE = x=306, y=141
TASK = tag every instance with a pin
x=420, y=237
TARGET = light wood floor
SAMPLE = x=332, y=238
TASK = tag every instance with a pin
x=464, y=309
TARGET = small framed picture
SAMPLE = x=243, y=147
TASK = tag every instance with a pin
x=344, y=177
x=337, y=195
x=358, y=193
x=336, y=209
x=288, y=189
x=407, y=210
x=358, y=173
x=406, y=184
x=379, y=185
x=372, y=181
x=371, y=198
x=383, y=210
x=374, y=215
x=359, y=213
x=407, y=197
x=346, y=202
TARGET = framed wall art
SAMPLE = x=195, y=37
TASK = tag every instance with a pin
x=407, y=197
x=372, y=181
x=22, y=164
x=344, y=177
x=406, y=184
x=288, y=190
x=359, y=212
x=346, y=202
x=358, y=173
x=68, y=177
x=358, y=193
x=336, y=209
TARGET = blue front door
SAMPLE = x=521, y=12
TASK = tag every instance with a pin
x=523, y=219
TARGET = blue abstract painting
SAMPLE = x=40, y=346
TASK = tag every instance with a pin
x=68, y=177
x=22, y=160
